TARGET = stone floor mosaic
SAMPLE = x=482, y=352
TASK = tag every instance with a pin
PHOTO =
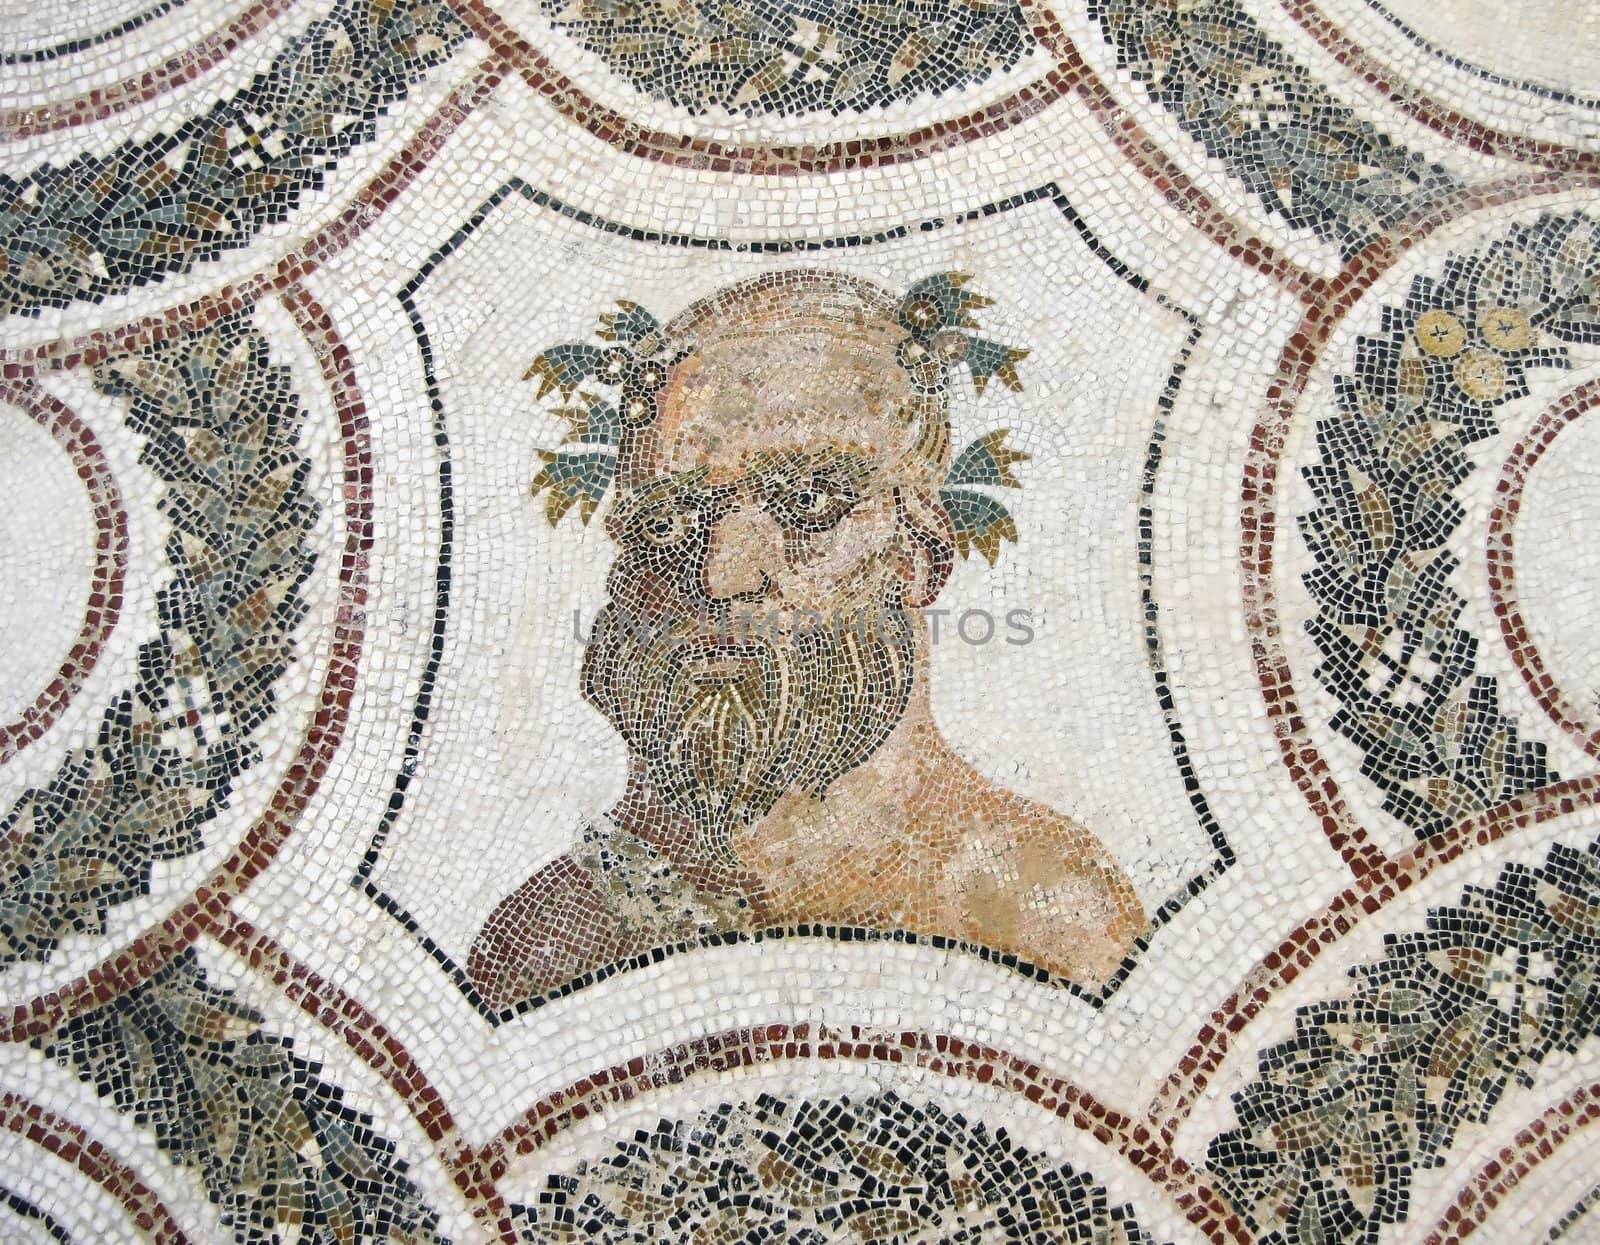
x=930, y=621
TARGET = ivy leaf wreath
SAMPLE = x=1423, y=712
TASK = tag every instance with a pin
x=936, y=313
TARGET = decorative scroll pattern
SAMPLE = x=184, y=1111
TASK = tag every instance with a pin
x=878, y=1169
x=1375, y=1085
x=798, y=56
x=1424, y=389
x=99, y=225
x=221, y=427
x=1308, y=157
x=279, y=1150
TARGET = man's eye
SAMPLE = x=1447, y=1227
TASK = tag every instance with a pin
x=816, y=504
x=811, y=502
x=666, y=529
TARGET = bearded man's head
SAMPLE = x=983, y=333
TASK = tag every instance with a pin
x=778, y=528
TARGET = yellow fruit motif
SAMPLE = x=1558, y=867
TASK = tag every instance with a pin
x=1506, y=328
x=1440, y=333
x=1482, y=374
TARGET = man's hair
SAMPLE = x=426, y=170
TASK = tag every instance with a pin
x=920, y=337
x=775, y=304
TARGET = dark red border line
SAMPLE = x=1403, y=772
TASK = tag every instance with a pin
x=71, y=1144
x=374, y=1045
x=1071, y=73
x=1438, y=117
x=1501, y=551
x=363, y=210
x=104, y=602
x=1531, y=1147
x=1202, y=1204
x=1377, y=877
x=1368, y=896
x=180, y=67
x=1258, y=497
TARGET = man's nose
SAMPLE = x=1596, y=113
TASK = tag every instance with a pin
x=744, y=556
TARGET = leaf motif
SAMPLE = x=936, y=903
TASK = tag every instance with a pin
x=771, y=76
x=944, y=290
x=273, y=1142
x=1579, y=323
x=563, y=367
x=980, y=522
x=987, y=461
x=211, y=1019
x=988, y=359
x=911, y=53
x=594, y=421
x=225, y=1115
x=851, y=81
x=629, y=326
x=573, y=479
x=792, y=1182
x=343, y=1220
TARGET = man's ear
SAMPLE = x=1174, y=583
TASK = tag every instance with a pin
x=927, y=546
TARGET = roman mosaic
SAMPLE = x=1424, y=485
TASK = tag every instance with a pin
x=788, y=505
x=930, y=621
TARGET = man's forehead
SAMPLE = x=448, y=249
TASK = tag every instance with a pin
x=851, y=462
x=723, y=408
x=738, y=446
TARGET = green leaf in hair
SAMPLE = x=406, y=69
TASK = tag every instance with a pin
x=630, y=326
x=939, y=302
x=594, y=421
x=987, y=461
x=573, y=478
x=987, y=358
x=980, y=522
x=564, y=367
x=935, y=311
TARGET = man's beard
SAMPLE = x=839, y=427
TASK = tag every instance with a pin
x=784, y=714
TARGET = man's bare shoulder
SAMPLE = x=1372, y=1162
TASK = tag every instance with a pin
x=958, y=806
x=1023, y=877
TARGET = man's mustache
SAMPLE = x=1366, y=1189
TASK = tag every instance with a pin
x=727, y=724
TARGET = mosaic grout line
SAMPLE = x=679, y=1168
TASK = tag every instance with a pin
x=73, y=1145
x=72, y=47
x=1368, y=896
x=1509, y=490
x=104, y=602
x=103, y=102
x=1447, y=122
x=1533, y=1145
x=409, y=765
